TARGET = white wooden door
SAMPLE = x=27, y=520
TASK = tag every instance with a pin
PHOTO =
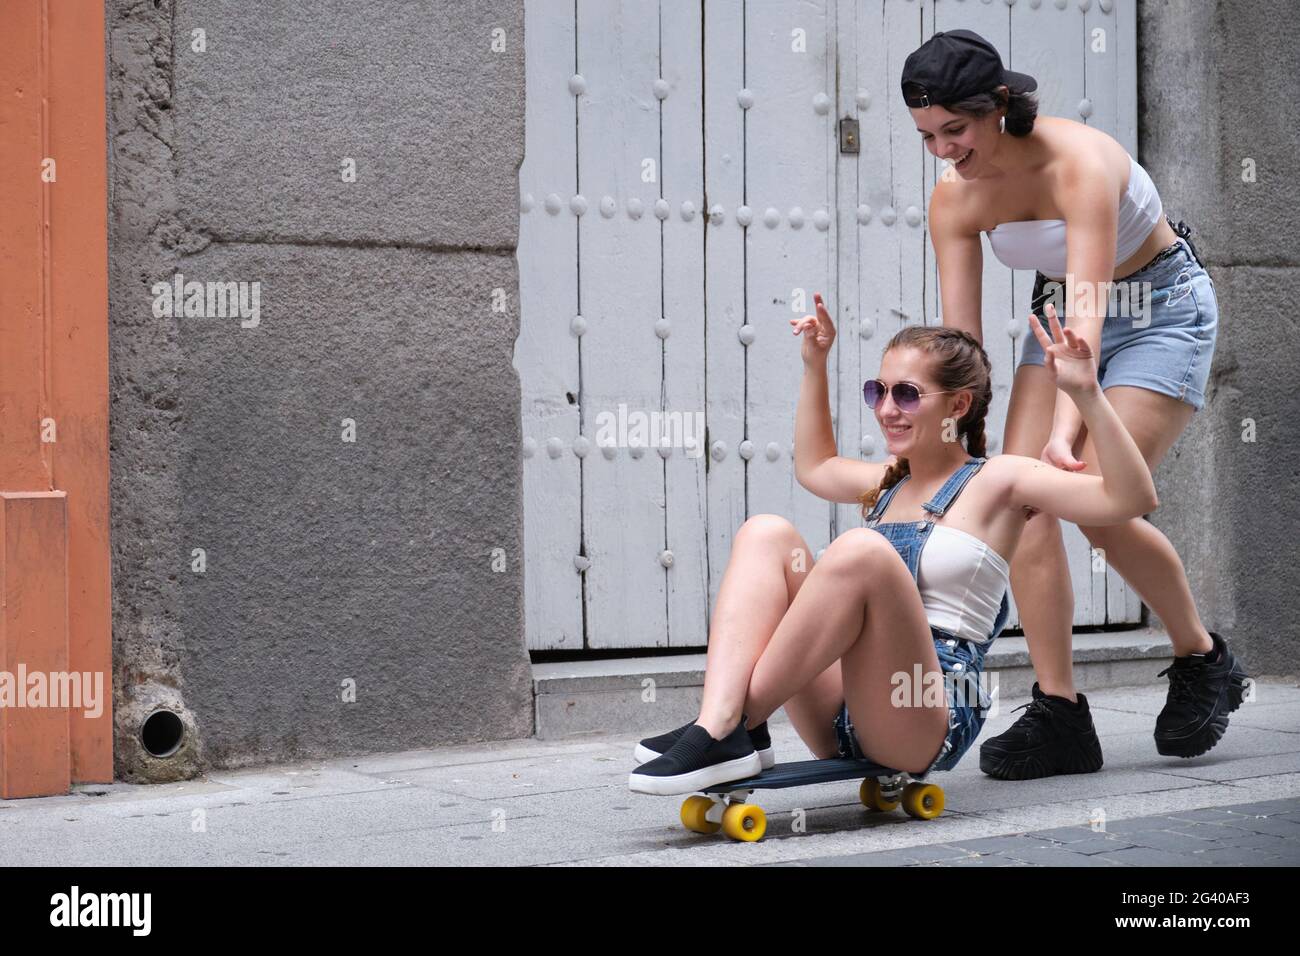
x=683, y=194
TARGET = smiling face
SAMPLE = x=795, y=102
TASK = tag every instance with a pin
x=969, y=142
x=924, y=428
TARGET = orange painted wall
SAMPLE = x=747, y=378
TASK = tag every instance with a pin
x=54, y=320
x=35, y=758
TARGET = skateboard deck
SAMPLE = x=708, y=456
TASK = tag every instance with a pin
x=800, y=773
x=725, y=806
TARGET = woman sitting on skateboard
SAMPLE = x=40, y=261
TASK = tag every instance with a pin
x=853, y=644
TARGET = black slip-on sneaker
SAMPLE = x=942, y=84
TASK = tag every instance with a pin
x=697, y=761
x=1052, y=736
x=653, y=747
x=1203, y=690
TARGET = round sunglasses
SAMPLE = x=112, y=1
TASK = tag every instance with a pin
x=906, y=395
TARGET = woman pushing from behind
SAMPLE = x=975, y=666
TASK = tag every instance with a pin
x=922, y=590
x=1068, y=201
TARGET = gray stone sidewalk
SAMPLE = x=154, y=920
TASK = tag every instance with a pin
x=535, y=802
x=1249, y=834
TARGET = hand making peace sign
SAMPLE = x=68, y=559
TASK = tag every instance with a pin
x=1067, y=357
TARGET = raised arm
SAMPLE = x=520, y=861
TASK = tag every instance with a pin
x=960, y=258
x=1124, y=489
x=816, y=465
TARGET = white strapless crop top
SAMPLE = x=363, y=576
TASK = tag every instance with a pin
x=1040, y=243
x=961, y=580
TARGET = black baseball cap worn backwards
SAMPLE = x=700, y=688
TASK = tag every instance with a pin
x=955, y=64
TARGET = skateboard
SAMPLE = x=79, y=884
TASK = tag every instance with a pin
x=723, y=806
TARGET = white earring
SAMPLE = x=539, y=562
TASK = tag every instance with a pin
x=1002, y=124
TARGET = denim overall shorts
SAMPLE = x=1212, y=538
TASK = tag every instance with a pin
x=1160, y=325
x=961, y=660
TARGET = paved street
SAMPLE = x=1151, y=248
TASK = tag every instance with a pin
x=1249, y=834
x=531, y=802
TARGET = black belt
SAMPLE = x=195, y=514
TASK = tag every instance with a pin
x=1184, y=232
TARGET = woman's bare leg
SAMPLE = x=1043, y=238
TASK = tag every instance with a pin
x=769, y=563
x=812, y=712
x=858, y=605
x=1137, y=549
x=1040, y=571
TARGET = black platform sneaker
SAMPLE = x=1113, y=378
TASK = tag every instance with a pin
x=653, y=747
x=697, y=761
x=1203, y=690
x=1052, y=736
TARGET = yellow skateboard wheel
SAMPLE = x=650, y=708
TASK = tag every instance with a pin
x=693, y=815
x=744, y=821
x=924, y=801
x=871, y=797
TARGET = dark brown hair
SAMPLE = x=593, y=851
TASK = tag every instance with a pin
x=959, y=363
x=1021, y=108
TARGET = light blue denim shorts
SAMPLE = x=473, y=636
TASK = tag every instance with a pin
x=962, y=662
x=1160, y=328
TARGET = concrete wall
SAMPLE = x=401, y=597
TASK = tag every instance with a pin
x=1219, y=84
x=391, y=301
